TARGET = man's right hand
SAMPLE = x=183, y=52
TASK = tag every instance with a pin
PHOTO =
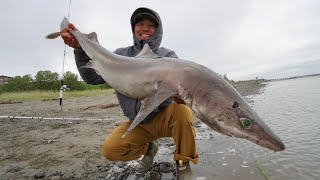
x=68, y=38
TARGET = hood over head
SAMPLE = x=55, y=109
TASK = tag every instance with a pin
x=155, y=40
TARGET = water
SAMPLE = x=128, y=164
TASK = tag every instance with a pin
x=291, y=108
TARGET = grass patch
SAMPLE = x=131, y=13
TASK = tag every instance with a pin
x=49, y=95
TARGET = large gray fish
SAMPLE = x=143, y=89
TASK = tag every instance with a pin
x=213, y=100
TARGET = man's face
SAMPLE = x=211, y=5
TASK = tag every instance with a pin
x=144, y=29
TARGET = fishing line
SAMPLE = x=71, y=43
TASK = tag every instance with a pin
x=53, y=118
x=62, y=87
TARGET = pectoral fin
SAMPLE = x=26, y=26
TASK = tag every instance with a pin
x=150, y=103
x=91, y=66
x=88, y=65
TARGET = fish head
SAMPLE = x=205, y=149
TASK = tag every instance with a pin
x=227, y=112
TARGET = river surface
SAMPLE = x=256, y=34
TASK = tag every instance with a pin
x=291, y=108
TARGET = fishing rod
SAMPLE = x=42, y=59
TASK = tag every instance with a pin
x=62, y=86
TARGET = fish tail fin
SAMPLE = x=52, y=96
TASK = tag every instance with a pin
x=64, y=23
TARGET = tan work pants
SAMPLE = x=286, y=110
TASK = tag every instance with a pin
x=175, y=121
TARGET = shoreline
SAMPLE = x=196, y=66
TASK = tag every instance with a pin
x=66, y=149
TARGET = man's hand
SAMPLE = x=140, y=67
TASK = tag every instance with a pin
x=68, y=38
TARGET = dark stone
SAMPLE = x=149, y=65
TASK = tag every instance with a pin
x=166, y=167
x=154, y=175
x=40, y=174
x=211, y=136
x=15, y=169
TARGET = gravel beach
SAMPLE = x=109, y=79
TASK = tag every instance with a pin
x=70, y=149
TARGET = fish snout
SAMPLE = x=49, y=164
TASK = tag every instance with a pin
x=278, y=145
x=272, y=142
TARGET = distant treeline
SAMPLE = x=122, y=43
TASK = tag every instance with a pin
x=47, y=80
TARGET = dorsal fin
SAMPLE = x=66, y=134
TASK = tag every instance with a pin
x=146, y=52
x=92, y=36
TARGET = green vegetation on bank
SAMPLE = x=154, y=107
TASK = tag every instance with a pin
x=46, y=85
x=49, y=95
x=47, y=81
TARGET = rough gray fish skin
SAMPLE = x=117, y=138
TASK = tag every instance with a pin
x=213, y=100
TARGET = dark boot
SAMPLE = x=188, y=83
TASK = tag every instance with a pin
x=146, y=163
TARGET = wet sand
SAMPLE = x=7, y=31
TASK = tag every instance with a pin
x=70, y=149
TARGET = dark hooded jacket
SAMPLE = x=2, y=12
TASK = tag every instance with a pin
x=130, y=106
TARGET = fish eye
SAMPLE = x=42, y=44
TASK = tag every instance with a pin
x=235, y=105
x=246, y=123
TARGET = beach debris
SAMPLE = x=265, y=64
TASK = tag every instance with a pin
x=263, y=171
x=51, y=99
x=232, y=150
x=102, y=106
x=201, y=178
x=10, y=102
x=110, y=105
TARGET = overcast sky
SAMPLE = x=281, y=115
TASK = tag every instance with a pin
x=241, y=38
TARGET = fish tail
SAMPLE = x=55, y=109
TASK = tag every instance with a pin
x=64, y=24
